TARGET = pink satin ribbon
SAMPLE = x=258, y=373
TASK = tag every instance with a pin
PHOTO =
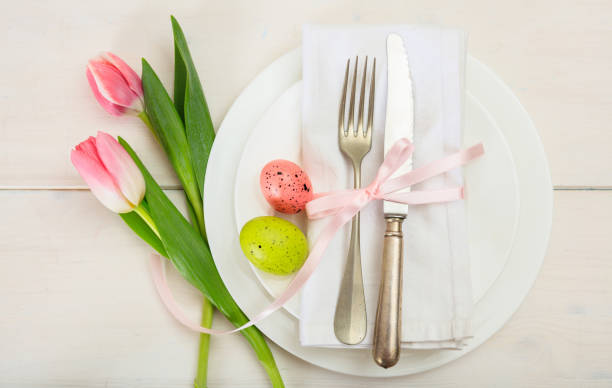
x=341, y=206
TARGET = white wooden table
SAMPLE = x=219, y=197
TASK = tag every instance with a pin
x=78, y=308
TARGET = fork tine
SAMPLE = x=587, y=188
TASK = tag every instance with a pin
x=360, y=130
x=371, y=102
x=352, y=103
x=341, y=114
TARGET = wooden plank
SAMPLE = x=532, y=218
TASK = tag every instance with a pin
x=79, y=309
x=555, y=56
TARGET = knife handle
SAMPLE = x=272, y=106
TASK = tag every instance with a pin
x=387, y=329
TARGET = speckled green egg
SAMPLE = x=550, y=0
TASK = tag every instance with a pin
x=274, y=245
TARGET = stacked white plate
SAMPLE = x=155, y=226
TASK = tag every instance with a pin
x=509, y=208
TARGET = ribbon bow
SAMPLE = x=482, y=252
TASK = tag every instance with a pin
x=341, y=206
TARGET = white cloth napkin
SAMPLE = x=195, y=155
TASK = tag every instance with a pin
x=437, y=300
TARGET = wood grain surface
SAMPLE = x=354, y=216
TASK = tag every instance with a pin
x=78, y=305
x=79, y=309
x=555, y=55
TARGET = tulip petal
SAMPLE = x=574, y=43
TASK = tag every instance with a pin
x=128, y=73
x=111, y=84
x=121, y=167
x=88, y=147
x=100, y=182
x=115, y=110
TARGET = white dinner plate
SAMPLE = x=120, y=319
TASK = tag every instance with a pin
x=509, y=208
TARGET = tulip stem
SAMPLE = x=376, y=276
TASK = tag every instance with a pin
x=202, y=372
x=207, y=318
x=146, y=217
x=145, y=119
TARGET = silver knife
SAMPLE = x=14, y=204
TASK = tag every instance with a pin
x=399, y=123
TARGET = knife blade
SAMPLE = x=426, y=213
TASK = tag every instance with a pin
x=399, y=120
x=399, y=123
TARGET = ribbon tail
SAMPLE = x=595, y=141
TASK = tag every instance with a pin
x=302, y=276
x=434, y=168
x=161, y=284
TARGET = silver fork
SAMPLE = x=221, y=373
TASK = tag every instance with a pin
x=350, y=318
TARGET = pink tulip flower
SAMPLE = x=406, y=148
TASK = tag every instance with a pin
x=115, y=85
x=110, y=172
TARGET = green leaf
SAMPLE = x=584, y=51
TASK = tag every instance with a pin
x=186, y=249
x=180, y=82
x=191, y=105
x=192, y=216
x=144, y=232
x=191, y=256
x=169, y=129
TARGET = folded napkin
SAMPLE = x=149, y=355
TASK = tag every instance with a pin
x=437, y=300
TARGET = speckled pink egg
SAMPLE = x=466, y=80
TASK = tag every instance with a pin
x=285, y=186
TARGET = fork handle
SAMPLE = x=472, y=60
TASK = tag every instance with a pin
x=387, y=329
x=350, y=319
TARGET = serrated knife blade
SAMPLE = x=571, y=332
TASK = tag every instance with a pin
x=399, y=121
